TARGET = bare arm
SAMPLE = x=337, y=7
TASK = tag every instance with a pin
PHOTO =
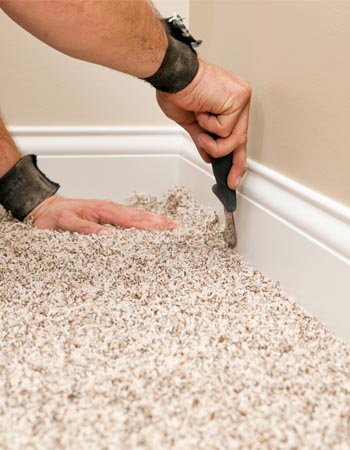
x=125, y=35
x=8, y=150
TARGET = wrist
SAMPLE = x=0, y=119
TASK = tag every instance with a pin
x=24, y=187
x=194, y=86
x=40, y=209
x=180, y=63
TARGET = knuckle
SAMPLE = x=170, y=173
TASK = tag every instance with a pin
x=243, y=94
x=242, y=138
x=225, y=131
x=244, y=90
x=101, y=205
x=63, y=218
x=243, y=170
x=247, y=90
x=215, y=152
x=247, y=84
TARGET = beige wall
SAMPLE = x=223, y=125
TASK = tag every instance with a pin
x=40, y=86
x=296, y=55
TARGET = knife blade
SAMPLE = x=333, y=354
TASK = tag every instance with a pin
x=221, y=168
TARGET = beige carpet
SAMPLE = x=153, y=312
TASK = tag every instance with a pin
x=159, y=341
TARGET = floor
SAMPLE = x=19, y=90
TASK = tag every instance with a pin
x=159, y=341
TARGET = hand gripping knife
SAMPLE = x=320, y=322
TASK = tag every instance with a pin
x=221, y=168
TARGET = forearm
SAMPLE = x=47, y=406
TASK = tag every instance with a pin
x=125, y=35
x=9, y=154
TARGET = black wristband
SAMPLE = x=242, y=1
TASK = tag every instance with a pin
x=24, y=187
x=180, y=63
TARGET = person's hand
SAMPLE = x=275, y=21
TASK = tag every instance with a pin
x=87, y=216
x=217, y=102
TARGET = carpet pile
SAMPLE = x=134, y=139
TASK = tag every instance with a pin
x=159, y=341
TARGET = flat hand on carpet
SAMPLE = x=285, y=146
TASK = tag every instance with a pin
x=87, y=216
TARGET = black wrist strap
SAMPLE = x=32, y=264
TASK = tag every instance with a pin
x=24, y=187
x=180, y=63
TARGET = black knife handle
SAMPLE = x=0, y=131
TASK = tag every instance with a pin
x=221, y=168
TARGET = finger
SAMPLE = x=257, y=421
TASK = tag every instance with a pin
x=224, y=146
x=144, y=220
x=127, y=217
x=153, y=222
x=239, y=166
x=84, y=227
x=221, y=124
x=195, y=131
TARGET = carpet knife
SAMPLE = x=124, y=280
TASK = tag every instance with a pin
x=221, y=168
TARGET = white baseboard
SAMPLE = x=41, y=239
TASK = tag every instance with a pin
x=291, y=233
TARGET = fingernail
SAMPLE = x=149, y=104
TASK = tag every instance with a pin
x=238, y=181
x=106, y=232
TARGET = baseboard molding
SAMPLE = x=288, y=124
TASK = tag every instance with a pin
x=291, y=233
